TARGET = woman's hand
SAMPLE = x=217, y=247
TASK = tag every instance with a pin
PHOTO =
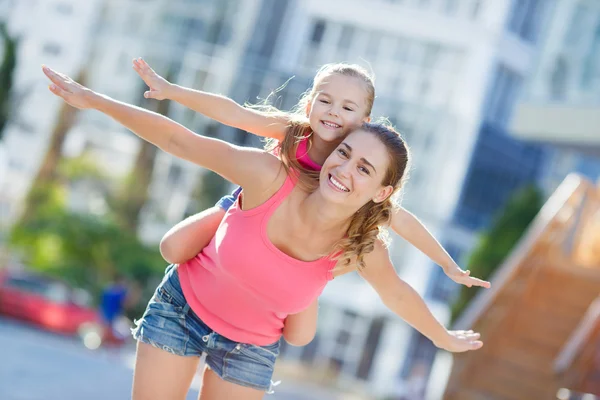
x=72, y=92
x=160, y=88
x=460, y=341
x=462, y=277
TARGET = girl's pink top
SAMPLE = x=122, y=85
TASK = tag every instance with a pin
x=242, y=286
x=303, y=157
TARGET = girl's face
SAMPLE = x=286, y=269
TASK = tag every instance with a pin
x=338, y=106
x=353, y=174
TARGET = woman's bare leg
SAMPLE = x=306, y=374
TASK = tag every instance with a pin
x=161, y=375
x=215, y=388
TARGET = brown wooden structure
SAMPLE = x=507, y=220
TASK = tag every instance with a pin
x=540, y=321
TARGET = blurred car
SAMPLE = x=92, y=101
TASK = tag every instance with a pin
x=53, y=306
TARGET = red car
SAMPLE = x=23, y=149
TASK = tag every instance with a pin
x=50, y=304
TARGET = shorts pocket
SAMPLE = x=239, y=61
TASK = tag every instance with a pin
x=258, y=354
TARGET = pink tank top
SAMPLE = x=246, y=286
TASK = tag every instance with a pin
x=303, y=157
x=242, y=286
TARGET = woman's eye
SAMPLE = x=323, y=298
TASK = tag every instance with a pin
x=343, y=152
x=364, y=170
x=324, y=101
x=348, y=109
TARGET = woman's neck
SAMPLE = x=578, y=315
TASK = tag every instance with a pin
x=323, y=216
x=319, y=149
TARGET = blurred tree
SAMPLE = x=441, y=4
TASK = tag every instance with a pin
x=497, y=243
x=49, y=166
x=7, y=69
x=211, y=186
x=84, y=249
x=134, y=195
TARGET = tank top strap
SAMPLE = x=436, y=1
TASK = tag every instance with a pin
x=268, y=207
x=284, y=191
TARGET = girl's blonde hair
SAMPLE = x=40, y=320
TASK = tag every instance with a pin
x=370, y=221
x=299, y=127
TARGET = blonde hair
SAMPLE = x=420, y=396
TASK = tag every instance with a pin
x=299, y=127
x=369, y=222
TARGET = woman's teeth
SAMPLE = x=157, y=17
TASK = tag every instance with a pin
x=338, y=184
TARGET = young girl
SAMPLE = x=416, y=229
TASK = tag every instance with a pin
x=271, y=257
x=341, y=97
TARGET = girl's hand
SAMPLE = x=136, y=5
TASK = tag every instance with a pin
x=72, y=92
x=464, y=277
x=460, y=341
x=159, y=86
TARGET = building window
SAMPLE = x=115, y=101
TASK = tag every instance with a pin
x=52, y=49
x=175, y=174
x=591, y=61
x=525, y=18
x=317, y=33
x=442, y=288
x=64, y=8
x=558, y=79
x=502, y=96
x=417, y=366
x=431, y=56
x=451, y=6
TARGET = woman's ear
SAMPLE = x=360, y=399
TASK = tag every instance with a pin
x=308, y=108
x=367, y=119
x=383, y=194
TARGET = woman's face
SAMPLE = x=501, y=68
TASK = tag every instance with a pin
x=353, y=174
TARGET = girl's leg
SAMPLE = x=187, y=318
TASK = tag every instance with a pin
x=215, y=388
x=161, y=375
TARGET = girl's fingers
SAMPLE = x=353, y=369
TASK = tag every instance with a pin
x=55, y=78
x=58, y=91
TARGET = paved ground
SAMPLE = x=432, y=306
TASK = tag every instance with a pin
x=35, y=365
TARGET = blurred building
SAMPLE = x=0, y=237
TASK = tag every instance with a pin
x=197, y=44
x=561, y=105
x=57, y=33
x=447, y=74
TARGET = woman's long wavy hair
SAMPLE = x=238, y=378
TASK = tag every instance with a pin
x=299, y=127
x=370, y=221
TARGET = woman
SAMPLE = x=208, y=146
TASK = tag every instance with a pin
x=271, y=257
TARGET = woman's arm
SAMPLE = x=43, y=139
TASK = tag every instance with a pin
x=413, y=231
x=246, y=167
x=405, y=302
x=220, y=108
x=300, y=329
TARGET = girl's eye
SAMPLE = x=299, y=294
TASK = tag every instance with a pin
x=324, y=101
x=364, y=170
x=342, y=152
x=348, y=109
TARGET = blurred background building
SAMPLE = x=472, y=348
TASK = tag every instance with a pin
x=449, y=74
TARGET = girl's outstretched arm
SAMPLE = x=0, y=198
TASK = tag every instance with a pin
x=413, y=231
x=220, y=108
x=246, y=167
x=405, y=302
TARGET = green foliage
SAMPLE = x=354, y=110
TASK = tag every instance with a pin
x=85, y=250
x=7, y=69
x=497, y=243
x=211, y=188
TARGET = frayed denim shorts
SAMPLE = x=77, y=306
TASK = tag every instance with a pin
x=169, y=324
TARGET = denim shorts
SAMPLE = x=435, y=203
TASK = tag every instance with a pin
x=226, y=202
x=169, y=324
